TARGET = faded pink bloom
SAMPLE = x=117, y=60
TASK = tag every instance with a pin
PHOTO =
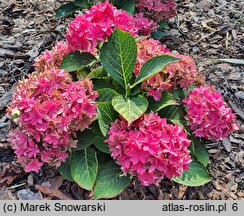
x=51, y=58
x=95, y=25
x=157, y=9
x=150, y=148
x=51, y=109
x=180, y=74
x=144, y=25
x=208, y=115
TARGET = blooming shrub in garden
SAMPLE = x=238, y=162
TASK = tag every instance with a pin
x=112, y=107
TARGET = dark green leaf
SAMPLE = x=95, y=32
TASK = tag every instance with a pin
x=198, y=149
x=66, y=10
x=197, y=175
x=103, y=158
x=118, y=56
x=103, y=147
x=84, y=167
x=106, y=95
x=164, y=25
x=174, y=114
x=110, y=181
x=84, y=4
x=131, y=108
x=127, y=5
x=154, y=66
x=76, y=60
x=65, y=169
x=166, y=100
x=159, y=34
x=87, y=138
x=100, y=84
x=106, y=115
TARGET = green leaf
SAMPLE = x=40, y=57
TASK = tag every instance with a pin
x=98, y=73
x=98, y=138
x=84, y=4
x=174, y=114
x=66, y=10
x=198, y=149
x=106, y=95
x=103, y=158
x=87, y=138
x=197, y=175
x=110, y=181
x=131, y=108
x=103, y=147
x=106, y=115
x=76, y=60
x=159, y=34
x=84, y=167
x=118, y=56
x=127, y=5
x=153, y=66
x=65, y=169
x=166, y=100
x=164, y=25
x=99, y=84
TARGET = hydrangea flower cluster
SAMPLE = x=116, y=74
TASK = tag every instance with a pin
x=51, y=58
x=143, y=25
x=50, y=108
x=97, y=24
x=182, y=73
x=157, y=9
x=150, y=148
x=208, y=115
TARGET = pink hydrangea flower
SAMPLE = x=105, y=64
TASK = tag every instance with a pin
x=208, y=115
x=183, y=73
x=157, y=9
x=51, y=58
x=51, y=109
x=150, y=148
x=144, y=25
x=97, y=24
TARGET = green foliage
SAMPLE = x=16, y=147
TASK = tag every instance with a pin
x=84, y=167
x=159, y=34
x=197, y=175
x=106, y=115
x=76, y=61
x=130, y=108
x=118, y=56
x=198, y=149
x=127, y=5
x=98, y=73
x=110, y=181
x=65, y=169
x=166, y=100
x=154, y=66
x=66, y=10
x=87, y=138
x=106, y=95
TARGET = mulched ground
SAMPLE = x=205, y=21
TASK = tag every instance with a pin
x=206, y=29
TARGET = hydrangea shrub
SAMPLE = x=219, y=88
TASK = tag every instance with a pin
x=123, y=107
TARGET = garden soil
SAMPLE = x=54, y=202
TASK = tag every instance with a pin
x=208, y=30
